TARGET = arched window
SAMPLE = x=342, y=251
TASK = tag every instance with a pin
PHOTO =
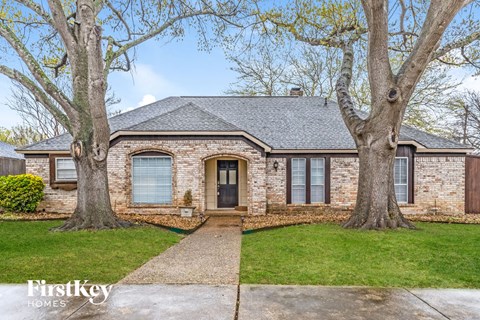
x=152, y=178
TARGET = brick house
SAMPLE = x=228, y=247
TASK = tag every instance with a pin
x=260, y=154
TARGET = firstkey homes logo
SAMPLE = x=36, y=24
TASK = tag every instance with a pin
x=53, y=293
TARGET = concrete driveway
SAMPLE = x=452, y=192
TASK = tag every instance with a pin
x=211, y=302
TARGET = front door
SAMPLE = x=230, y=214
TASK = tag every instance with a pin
x=227, y=183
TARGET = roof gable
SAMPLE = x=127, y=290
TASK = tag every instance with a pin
x=189, y=117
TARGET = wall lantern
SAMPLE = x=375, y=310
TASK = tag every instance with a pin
x=275, y=165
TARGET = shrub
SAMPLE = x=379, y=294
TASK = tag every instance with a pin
x=187, y=198
x=21, y=193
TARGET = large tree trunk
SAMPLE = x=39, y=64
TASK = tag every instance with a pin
x=376, y=138
x=90, y=128
x=376, y=206
x=93, y=210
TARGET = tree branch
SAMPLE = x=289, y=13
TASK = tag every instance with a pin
x=35, y=68
x=59, y=65
x=39, y=94
x=61, y=24
x=379, y=68
x=439, y=15
x=37, y=9
x=456, y=45
x=352, y=120
x=124, y=48
x=120, y=18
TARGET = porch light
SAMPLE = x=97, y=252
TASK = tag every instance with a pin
x=275, y=165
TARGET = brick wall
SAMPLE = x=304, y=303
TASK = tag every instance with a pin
x=276, y=185
x=188, y=172
x=343, y=181
x=439, y=184
x=55, y=200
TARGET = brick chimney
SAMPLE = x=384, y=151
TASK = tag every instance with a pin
x=296, y=92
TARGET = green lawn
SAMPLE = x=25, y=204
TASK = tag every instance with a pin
x=435, y=255
x=29, y=251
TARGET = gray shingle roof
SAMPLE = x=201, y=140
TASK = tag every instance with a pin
x=280, y=122
x=186, y=118
x=8, y=151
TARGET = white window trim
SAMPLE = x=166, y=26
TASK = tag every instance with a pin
x=291, y=181
x=171, y=182
x=56, y=169
x=323, y=181
x=394, y=184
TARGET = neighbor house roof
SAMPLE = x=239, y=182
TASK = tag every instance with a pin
x=282, y=123
x=8, y=151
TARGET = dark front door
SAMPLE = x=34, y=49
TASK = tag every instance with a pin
x=227, y=183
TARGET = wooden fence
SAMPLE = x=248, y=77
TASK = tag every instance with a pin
x=11, y=166
x=472, y=184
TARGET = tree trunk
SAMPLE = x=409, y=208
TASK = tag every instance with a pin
x=90, y=128
x=376, y=205
x=93, y=209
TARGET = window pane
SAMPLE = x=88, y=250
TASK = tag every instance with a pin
x=65, y=169
x=317, y=178
x=223, y=176
x=232, y=177
x=401, y=193
x=401, y=179
x=298, y=180
x=317, y=194
x=152, y=180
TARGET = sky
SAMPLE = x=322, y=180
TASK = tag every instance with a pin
x=163, y=70
x=160, y=70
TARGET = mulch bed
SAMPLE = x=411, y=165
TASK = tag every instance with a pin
x=33, y=216
x=188, y=225
x=282, y=220
x=174, y=223
x=463, y=218
x=169, y=221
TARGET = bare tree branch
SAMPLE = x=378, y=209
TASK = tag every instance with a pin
x=456, y=45
x=37, y=9
x=439, y=15
x=61, y=24
x=345, y=103
x=35, y=68
x=39, y=94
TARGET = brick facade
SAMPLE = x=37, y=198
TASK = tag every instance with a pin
x=55, y=200
x=276, y=185
x=439, y=182
x=344, y=180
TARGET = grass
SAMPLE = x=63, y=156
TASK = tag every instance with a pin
x=435, y=255
x=29, y=251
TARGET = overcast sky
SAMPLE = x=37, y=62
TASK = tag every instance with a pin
x=176, y=68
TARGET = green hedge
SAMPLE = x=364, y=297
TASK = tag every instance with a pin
x=21, y=193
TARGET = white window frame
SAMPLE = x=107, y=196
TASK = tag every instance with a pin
x=401, y=184
x=323, y=181
x=171, y=181
x=56, y=169
x=291, y=181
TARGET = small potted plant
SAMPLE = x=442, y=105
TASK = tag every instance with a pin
x=187, y=210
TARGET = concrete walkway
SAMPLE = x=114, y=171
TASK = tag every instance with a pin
x=218, y=302
x=262, y=302
x=211, y=255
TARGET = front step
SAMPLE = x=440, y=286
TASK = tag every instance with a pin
x=225, y=213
